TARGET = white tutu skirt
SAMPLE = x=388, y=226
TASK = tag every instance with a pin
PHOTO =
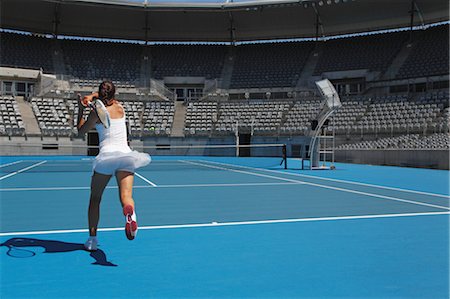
x=109, y=163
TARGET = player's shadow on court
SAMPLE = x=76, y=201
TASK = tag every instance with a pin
x=22, y=248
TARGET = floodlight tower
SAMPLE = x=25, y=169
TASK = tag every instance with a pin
x=330, y=105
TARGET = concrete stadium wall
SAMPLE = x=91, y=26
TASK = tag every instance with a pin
x=438, y=159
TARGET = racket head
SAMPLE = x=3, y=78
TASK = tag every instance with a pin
x=18, y=252
x=102, y=113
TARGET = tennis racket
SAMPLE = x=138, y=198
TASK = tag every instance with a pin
x=102, y=112
x=98, y=107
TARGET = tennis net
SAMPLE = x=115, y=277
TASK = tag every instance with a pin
x=55, y=157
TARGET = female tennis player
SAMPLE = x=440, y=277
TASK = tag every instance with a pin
x=115, y=158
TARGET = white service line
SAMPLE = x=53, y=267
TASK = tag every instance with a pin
x=226, y=185
x=146, y=186
x=327, y=187
x=12, y=163
x=21, y=170
x=145, y=179
x=335, y=180
x=255, y=222
x=245, y=172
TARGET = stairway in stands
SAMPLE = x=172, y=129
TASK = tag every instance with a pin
x=309, y=67
x=178, y=120
x=228, y=65
x=29, y=119
x=400, y=58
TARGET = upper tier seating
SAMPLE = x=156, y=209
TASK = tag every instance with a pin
x=187, y=61
x=10, y=119
x=429, y=56
x=373, y=52
x=269, y=65
x=26, y=51
x=92, y=60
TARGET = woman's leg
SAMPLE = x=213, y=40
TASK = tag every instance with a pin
x=125, y=183
x=98, y=184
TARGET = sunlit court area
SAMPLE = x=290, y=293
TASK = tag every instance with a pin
x=224, y=149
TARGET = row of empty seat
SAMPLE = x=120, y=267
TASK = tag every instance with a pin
x=409, y=141
x=11, y=122
x=53, y=116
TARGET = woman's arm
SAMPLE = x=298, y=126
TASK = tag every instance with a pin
x=83, y=125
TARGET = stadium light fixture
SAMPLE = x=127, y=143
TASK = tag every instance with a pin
x=321, y=3
x=329, y=2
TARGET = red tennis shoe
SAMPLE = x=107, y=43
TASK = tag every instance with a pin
x=130, y=224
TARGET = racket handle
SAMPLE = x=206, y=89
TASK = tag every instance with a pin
x=87, y=101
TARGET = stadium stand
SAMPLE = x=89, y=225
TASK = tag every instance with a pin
x=93, y=61
x=134, y=110
x=200, y=117
x=10, y=119
x=15, y=51
x=409, y=141
x=269, y=65
x=352, y=110
x=264, y=117
x=372, y=52
x=53, y=116
x=429, y=56
x=157, y=118
x=299, y=117
x=187, y=60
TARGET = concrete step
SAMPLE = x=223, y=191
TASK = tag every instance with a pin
x=29, y=119
x=179, y=120
x=400, y=58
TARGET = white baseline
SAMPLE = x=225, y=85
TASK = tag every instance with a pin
x=255, y=222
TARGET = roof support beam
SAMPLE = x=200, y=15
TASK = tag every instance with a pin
x=319, y=24
x=146, y=28
x=232, y=29
x=56, y=20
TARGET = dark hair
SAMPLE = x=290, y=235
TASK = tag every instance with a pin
x=106, y=91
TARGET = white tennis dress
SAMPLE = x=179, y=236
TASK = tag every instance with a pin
x=115, y=154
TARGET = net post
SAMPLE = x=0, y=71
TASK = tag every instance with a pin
x=285, y=156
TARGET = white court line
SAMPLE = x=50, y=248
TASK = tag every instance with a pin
x=143, y=178
x=21, y=170
x=336, y=180
x=245, y=172
x=146, y=186
x=12, y=163
x=327, y=187
x=255, y=222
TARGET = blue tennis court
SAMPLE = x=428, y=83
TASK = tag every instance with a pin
x=226, y=227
